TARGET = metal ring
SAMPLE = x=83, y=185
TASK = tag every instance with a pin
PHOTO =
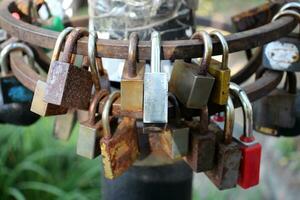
x=223, y=41
x=286, y=12
x=105, y=113
x=10, y=47
x=92, y=59
x=208, y=47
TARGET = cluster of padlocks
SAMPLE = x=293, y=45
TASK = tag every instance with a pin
x=201, y=143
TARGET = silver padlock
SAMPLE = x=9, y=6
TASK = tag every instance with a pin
x=155, y=87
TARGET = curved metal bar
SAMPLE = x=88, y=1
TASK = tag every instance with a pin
x=180, y=49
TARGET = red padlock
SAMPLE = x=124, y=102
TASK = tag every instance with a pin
x=251, y=150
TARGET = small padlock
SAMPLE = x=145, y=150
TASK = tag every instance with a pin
x=120, y=149
x=251, y=150
x=283, y=54
x=228, y=155
x=88, y=142
x=175, y=137
x=190, y=82
x=202, y=144
x=96, y=63
x=221, y=72
x=38, y=105
x=155, y=87
x=277, y=109
x=132, y=82
x=68, y=85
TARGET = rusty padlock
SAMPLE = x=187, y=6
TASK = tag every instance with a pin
x=88, y=142
x=202, y=144
x=68, y=85
x=228, y=155
x=96, y=63
x=190, y=82
x=132, y=83
x=119, y=149
x=175, y=137
x=38, y=105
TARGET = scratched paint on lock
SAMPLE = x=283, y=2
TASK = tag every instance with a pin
x=281, y=55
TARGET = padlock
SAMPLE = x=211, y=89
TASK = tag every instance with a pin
x=132, y=82
x=221, y=72
x=175, y=137
x=38, y=105
x=96, y=62
x=228, y=155
x=119, y=149
x=251, y=150
x=68, y=85
x=283, y=54
x=277, y=109
x=155, y=87
x=202, y=144
x=190, y=82
x=88, y=142
x=14, y=97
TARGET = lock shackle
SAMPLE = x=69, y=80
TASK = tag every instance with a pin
x=92, y=59
x=291, y=82
x=208, y=47
x=92, y=49
x=11, y=47
x=105, y=114
x=132, y=54
x=155, y=52
x=238, y=92
x=290, y=5
x=225, y=47
x=173, y=99
x=285, y=13
x=59, y=42
x=229, y=121
x=71, y=43
x=99, y=95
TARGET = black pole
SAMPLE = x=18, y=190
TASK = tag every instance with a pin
x=151, y=183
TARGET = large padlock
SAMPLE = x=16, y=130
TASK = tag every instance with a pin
x=283, y=54
x=190, y=82
x=38, y=105
x=251, y=150
x=155, y=87
x=202, y=144
x=14, y=97
x=175, y=137
x=88, y=142
x=277, y=109
x=132, y=82
x=221, y=72
x=68, y=85
x=228, y=155
x=119, y=149
x=97, y=65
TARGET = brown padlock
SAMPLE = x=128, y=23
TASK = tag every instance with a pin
x=88, y=142
x=132, y=83
x=38, y=105
x=202, y=144
x=228, y=155
x=120, y=149
x=68, y=85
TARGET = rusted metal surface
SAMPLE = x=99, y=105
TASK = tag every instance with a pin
x=179, y=49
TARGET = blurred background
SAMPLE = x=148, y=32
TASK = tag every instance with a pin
x=34, y=165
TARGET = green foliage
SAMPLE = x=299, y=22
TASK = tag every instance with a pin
x=33, y=165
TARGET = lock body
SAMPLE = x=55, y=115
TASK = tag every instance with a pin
x=191, y=89
x=220, y=91
x=132, y=89
x=121, y=150
x=42, y=108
